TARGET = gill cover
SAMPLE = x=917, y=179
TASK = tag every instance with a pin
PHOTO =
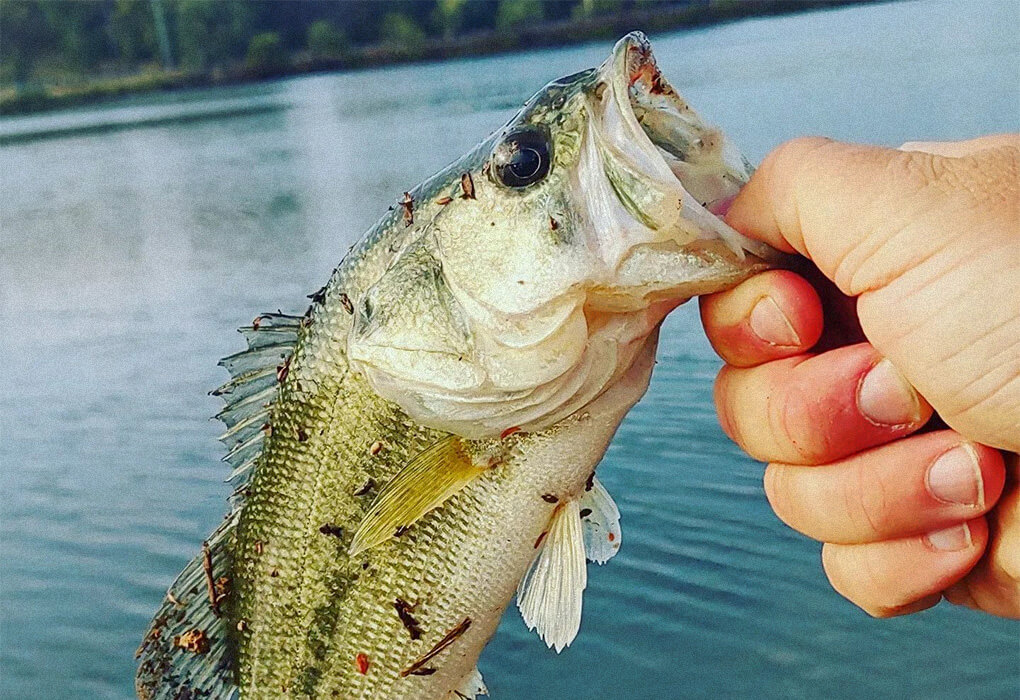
x=587, y=219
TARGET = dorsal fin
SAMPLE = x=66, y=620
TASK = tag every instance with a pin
x=255, y=375
x=551, y=592
x=427, y=481
x=189, y=648
x=600, y=523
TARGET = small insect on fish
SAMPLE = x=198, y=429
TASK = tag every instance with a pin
x=441, y=407
x=407, y=206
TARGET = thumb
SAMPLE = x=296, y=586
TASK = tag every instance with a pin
x=865, y=215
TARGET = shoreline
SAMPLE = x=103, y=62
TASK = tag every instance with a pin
x=34, y=100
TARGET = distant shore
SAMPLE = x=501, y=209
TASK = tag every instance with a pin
x=39, y=99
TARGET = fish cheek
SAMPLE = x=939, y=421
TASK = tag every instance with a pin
x=409, y=325
x=513, y=255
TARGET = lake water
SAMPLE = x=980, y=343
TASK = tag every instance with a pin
x=134, y=238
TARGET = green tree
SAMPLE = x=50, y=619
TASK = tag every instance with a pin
x=82, y=40
x=399, y=30
x=209, y=33
x=448, y=17
x=265, y=54
x=513, y=13
x=593, y=8
x=133, y=30
x=24, y=32
x=325, y=40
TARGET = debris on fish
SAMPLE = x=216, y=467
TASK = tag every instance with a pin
x=421, y=444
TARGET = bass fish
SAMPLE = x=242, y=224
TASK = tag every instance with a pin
x=420, y=446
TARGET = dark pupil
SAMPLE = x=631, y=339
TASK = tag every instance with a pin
x=525, y=160
x=525, y=163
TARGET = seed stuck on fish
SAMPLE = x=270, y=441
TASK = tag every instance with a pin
x=194, y=641
x=404, y=610
x=407, y=204
x=376, y=448
x=467, y=186
x=345, y=301
x=423, y=671
x=282, y=370
x=443, y=201
x=210, y=584
x=331, y=529
x=319, y=295
x=441, y=645
x=509, y=431
x=362, y=662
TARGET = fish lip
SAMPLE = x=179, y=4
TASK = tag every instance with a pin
x=632, y=73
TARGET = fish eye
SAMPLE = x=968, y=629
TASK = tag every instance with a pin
x=522, y=158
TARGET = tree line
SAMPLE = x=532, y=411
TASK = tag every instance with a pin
x=48, y=41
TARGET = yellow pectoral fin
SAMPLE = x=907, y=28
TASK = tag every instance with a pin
x=425, y=483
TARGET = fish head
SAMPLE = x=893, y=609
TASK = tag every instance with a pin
x=534, y=270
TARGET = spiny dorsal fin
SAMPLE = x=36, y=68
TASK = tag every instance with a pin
x=600, y=523
x=550, y=594
x=252, y=389
x=189, y=648
x=424, y=484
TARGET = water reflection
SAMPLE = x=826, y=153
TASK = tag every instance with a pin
x=128, y=255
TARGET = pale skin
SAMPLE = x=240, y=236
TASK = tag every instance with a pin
x=913, y=308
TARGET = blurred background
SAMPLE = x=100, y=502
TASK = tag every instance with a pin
x=170, y=168
x=70, y=52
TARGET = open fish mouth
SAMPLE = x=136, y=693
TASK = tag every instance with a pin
x=673, y=174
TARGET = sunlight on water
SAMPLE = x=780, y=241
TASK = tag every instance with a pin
x=133, y=239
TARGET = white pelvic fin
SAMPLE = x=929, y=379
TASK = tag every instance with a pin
x=600, y=523
x=472, y=687
x=550, y=594
x=428, y=480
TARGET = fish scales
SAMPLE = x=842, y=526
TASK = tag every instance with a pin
x=309, y=609
x=431, y=445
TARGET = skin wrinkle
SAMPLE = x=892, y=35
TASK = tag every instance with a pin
x=874, y=499
x=954, y=291
x=786, y=413
x=857, y=287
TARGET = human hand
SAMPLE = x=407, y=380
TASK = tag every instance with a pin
x=917, y=257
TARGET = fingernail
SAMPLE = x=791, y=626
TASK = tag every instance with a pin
x=955, y=477
x=885, y=397
x=771, y=325
x=952, y=539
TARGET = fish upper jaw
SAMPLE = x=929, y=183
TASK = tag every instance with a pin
x=653, y=179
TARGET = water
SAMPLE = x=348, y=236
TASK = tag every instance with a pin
x=128, y=255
